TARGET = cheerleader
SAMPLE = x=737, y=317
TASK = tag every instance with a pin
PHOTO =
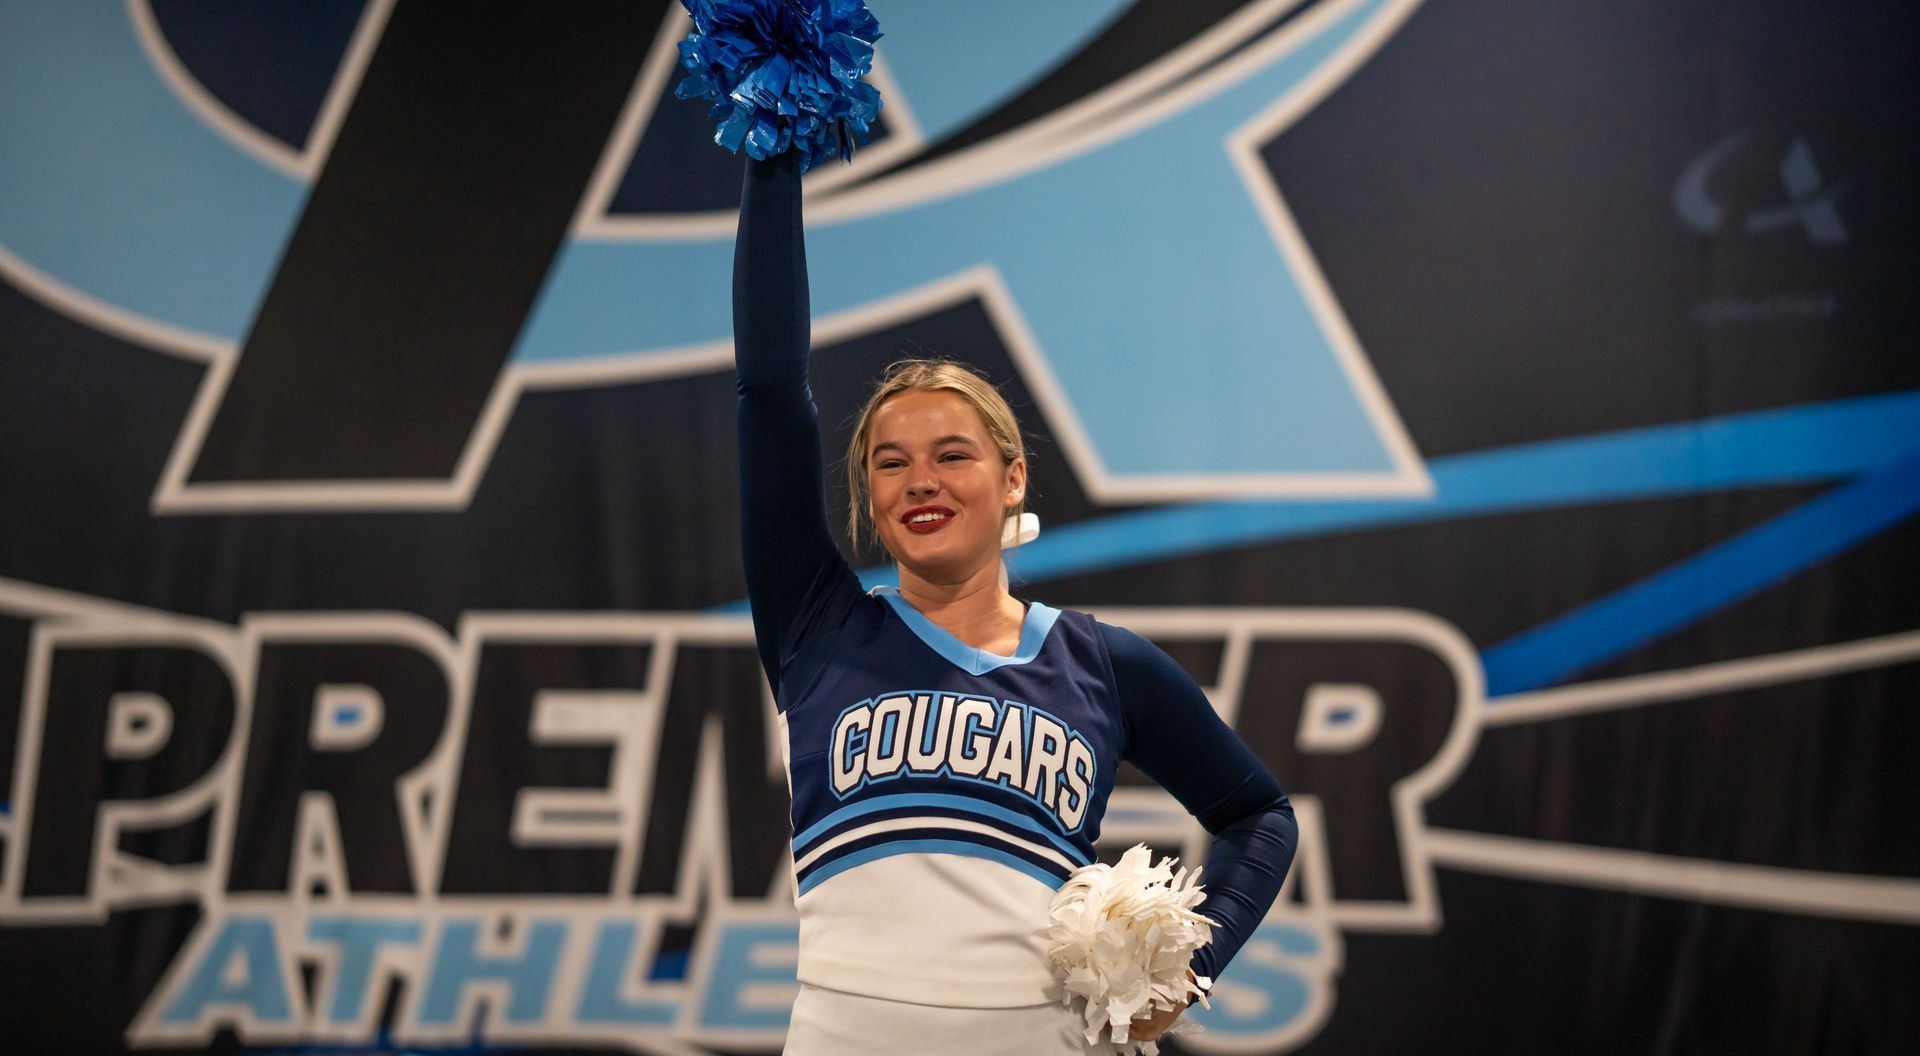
x=950, y=747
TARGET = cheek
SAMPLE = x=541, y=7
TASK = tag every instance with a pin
x=880, y=495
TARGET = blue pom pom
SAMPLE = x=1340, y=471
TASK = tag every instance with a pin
x=783, y=74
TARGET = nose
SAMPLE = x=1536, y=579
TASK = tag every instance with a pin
x=924, y=484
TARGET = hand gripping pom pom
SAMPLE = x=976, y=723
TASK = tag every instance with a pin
x=783, y=74
x=1120, y=938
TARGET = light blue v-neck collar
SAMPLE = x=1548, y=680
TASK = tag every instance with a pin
x=1033, y=635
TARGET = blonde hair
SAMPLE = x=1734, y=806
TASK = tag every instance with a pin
x=928, y=375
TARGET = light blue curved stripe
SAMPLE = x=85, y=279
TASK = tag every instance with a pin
x=1707, y=582
x=110, y=186
x=935, y=799
x=1795, y=445
x=960, y=847
x=1033, y=634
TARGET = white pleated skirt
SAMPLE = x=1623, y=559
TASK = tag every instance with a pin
x=831, y=1023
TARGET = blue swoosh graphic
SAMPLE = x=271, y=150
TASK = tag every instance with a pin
x=1796, y=445
x=1711, y=580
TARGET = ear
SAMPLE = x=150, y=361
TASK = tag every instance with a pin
x=1016, y=482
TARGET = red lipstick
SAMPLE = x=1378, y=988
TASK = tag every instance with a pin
x=935, y=518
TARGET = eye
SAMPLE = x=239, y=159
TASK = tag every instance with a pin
x=890, y=463
x=954, y=456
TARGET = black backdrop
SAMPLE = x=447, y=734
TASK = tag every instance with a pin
x=1539, y=503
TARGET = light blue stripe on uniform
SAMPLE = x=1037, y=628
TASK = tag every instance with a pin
x=926, y=846
x=1033, y=635
x=935, y=799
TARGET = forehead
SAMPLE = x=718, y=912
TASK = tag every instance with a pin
x=924, y=416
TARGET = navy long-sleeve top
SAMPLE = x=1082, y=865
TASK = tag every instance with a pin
x=933, y=782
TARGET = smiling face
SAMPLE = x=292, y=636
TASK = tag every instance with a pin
x=939, y=489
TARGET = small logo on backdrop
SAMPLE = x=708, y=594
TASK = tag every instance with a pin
x=1802, y=201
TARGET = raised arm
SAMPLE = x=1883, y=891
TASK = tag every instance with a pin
x=796, y=577
x=1175, y=737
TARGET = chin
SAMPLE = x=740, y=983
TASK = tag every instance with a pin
x=926, y=561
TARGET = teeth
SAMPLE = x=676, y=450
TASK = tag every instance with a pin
x=922, y=518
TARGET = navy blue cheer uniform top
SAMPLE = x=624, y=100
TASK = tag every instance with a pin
x=941, y=794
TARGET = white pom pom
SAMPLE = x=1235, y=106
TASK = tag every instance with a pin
x=1120, y=938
